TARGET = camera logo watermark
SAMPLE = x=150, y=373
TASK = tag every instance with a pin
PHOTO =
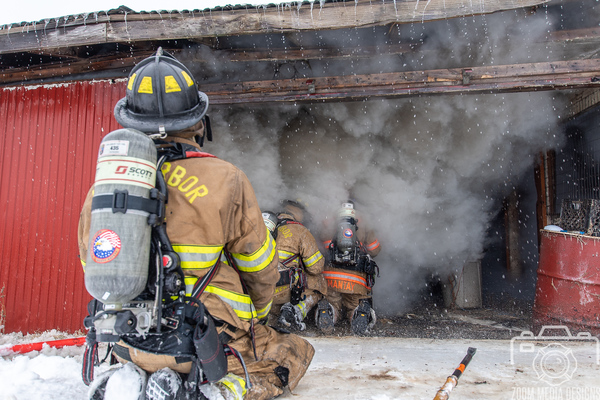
x=553, y=358
x=555, y=364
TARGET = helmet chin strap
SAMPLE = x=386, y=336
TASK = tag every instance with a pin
x=207, y=133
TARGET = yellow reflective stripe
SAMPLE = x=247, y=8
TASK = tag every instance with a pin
x=302, y=306
x=263, y=312
x=171, y=84
x=188, y=79
x=131, y=79
x=284, y=255
x=224, y=259
x=235, y=385
x=309, y=262
x=258, y=260
x=190, y=281
x=241, y=303
x=197, y=257
x=145, y=85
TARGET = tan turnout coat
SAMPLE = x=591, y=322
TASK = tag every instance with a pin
x=212, y=205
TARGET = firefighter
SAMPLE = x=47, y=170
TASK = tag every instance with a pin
x=350, y=274
x=212, y=212
x=301, y=283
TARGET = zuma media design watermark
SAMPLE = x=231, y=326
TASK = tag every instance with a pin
x=554, y=362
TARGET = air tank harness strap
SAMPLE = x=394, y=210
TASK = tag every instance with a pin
x=295, y=278
x=121, y=201
x=90, y=357
x=286, y=276
x=365, y=265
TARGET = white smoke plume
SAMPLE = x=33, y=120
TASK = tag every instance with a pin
x=428, y=174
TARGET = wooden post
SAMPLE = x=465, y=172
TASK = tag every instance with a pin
x=511, y=218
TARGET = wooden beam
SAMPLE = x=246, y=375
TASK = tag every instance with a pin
x=576, y=35
x=68, y=69
x=503, y=78
x=133, y=27
x=318, y=54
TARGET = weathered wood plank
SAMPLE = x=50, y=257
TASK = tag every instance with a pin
x=52, y=38
x=503, y=78
x=284, y=18
x=62, y=70
x=318, y=54
x=508, y=78
x=221, y=98
x=441, y=77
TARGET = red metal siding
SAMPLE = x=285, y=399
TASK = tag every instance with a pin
x=49, y=138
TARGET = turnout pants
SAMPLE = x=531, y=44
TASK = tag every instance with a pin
x=283, y=295
x=346, y=302
x=282, y=359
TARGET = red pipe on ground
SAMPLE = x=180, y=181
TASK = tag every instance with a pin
x=37, y=346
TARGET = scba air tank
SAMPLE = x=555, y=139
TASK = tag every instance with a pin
x=119, y=249
x=346, y=236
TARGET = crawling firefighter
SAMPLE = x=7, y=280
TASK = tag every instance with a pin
x=301, y=283
x=204, y=336
x=350, y=274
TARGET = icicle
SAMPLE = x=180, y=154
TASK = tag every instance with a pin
x=425, y=8
x=126, y=28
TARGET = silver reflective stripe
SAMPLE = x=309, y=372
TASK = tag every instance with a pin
x=258, y=260
x=241, y=303
x=309, y=262
x=197, y=257
x=347, y=277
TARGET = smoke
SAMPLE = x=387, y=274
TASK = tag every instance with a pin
x=427, y=174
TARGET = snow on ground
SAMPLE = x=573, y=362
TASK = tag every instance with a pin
x=371, y=368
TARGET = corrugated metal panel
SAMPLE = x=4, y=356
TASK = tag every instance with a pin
x=48, y=147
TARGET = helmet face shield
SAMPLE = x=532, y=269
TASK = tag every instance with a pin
x=161, y=97
x=271, y=221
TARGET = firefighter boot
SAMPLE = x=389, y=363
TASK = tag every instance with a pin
x=363, y=318
x=165, y=384
x=324, y=317
x=291, y=317
x=230, y=387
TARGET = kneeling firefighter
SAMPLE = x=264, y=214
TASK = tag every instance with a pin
x=177, y=256
x=350, y=272
x=301, y=283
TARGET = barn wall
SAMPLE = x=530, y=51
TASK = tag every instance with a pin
x=48, y=149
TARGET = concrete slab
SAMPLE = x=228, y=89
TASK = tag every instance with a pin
x=399, y=368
